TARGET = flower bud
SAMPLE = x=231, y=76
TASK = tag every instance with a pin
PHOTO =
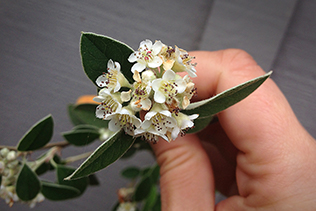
x=4, y=152
x=11, y=156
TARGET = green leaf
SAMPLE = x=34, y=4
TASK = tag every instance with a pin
x=149, y=179
x=130, y=172
x=64, y=171
x=38, y=136
x=93, y=180
x=85, y=114
x=27, y=184
x=157, y=205
x=143, y=189
x=209, y=107
x=96, y=50
x=104, y=155
x=151, y=199
x=57, y=192
x=81, y=137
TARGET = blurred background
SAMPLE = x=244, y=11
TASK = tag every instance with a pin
x=41, y=72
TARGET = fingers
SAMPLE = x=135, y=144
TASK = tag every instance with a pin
x=274, y=149
x=186, y=175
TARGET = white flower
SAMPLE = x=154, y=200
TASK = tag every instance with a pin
x=113, y=79
x=184, y=123
x=127, y=206
x=140, y=96
x=160, y=119
x=167, y=54
x=148, y=131
x=183, y=62
x=109, y=104
x=167, y=87
x=124, y=119
x=188, y=93
x=146, y=56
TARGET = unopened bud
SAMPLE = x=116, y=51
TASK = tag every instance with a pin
x=11, y=156
x=4, y=152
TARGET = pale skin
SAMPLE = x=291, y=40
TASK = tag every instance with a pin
x=258, y=154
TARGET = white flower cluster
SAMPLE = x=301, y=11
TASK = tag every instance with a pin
x=157, y=90
x=9, y=170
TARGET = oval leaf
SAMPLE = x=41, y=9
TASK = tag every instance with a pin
x=151, y=199
x=143, y=189
x=149, y=179
x=96, y=50
x=57, y=192
x=64, y=171
x=81, y=137
x=85, y=114
x=38, y=136
x=27, y=184
x=209, y=107
x=104, y=155
x=130, y=172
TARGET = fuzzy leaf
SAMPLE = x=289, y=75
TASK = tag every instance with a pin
x=84, y=114
x=27, y=185
x=38, y=136
x=104, y=155
x=96, y=50
x=144, y=187
x=130, y=172
x=64, y=171
x=81, y=137
x=151, y=199
x=57, y=192
x=209, y=107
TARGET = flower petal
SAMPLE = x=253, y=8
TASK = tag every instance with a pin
x=156, y=62
x=146, y=104
x=156, y=48
x=133, y=57
x=114, y=124
x=182, y=85
x=169, y=75
x=159, y=97
x=138, y=67
x=98, y=99
x=147, y=43
x=101, y=80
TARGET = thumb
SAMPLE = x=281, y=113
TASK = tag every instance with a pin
x=186, y=181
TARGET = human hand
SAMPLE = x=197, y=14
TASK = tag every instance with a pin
x=258, y=154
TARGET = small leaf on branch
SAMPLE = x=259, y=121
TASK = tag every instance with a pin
x=209, y=107
x=104, y=155
x=27, y=185
x=57, y=192
x=38, y=135
x=96, y=50
x=64, y=171
x=81, y=137
x=130, y=172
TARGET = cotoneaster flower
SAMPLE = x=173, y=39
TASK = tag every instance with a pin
x=140, y=96
x=113, y=79
x=160, y=118
x=109, y=104
x=183, y=62
x=184, y=123
x=146, y=56
x=167, y=87
x=124, y=119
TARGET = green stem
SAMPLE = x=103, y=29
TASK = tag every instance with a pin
x=77, y=157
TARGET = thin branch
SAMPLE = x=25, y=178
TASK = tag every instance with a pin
x=77, y=157
x=60, y=144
